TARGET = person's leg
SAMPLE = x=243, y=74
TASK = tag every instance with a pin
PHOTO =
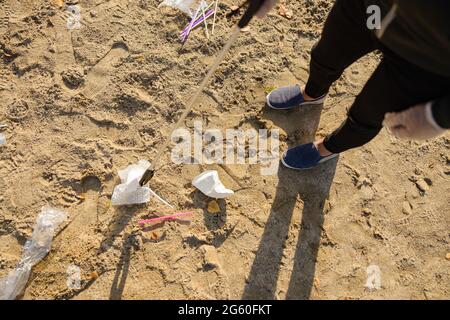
x=345, y=38
x=394, y=86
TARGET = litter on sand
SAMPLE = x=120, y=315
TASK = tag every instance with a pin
x=35, y=250
x=129, y=191
x=2, y=136
x=196, y=23
x=214, y=18
x=209, y=184
x=187, y=6
x=168, y=217
x=199, y=17
x=198, y=10
x=183, y=41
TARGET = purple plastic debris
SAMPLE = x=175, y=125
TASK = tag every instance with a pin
x=195, y=24
x=191, y=24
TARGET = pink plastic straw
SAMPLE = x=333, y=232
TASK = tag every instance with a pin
x=169, y=217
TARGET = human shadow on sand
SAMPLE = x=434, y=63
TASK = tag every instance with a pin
x=122, y=268
x=312, y=187
x=119, y=222
x=213, y=221
x=121, y=219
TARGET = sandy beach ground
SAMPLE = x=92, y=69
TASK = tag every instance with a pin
x=81, y=104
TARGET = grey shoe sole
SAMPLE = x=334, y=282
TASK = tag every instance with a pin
x=334, y=155
x=306, y=103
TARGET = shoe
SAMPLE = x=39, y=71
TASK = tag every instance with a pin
x=290, y=97
x=305, y=156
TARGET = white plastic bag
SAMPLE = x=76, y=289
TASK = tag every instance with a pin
x=34, y=250
x=187, y=6
x=129, y=191
x=209, y=183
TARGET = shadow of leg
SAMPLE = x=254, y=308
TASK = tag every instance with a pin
x=118, y=223
x=312, y=187
x=302, y=277
x=213, y=221
x=263, y=278
x=120, y=277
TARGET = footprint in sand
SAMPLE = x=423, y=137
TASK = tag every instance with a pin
x=91, y=187
x=17, y=110
x=5, y=15
x=4, y=83
x=98, y=77
x=83, y=223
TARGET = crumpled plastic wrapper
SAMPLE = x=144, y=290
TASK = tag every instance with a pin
x=129, y=191
x=209, y=184
x=2, y=139
x=35, y=250
x=187, y=6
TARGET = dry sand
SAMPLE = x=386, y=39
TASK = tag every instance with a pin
x=82, y=104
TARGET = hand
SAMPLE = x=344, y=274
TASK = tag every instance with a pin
x=415, y=123
x=265, y=8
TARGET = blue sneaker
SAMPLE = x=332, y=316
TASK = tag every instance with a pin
x=290, y=97
x=305, y=156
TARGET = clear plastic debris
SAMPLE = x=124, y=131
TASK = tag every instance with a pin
x=187, y=6
x=129, y=191
x=35, y=250
x=2, y=139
